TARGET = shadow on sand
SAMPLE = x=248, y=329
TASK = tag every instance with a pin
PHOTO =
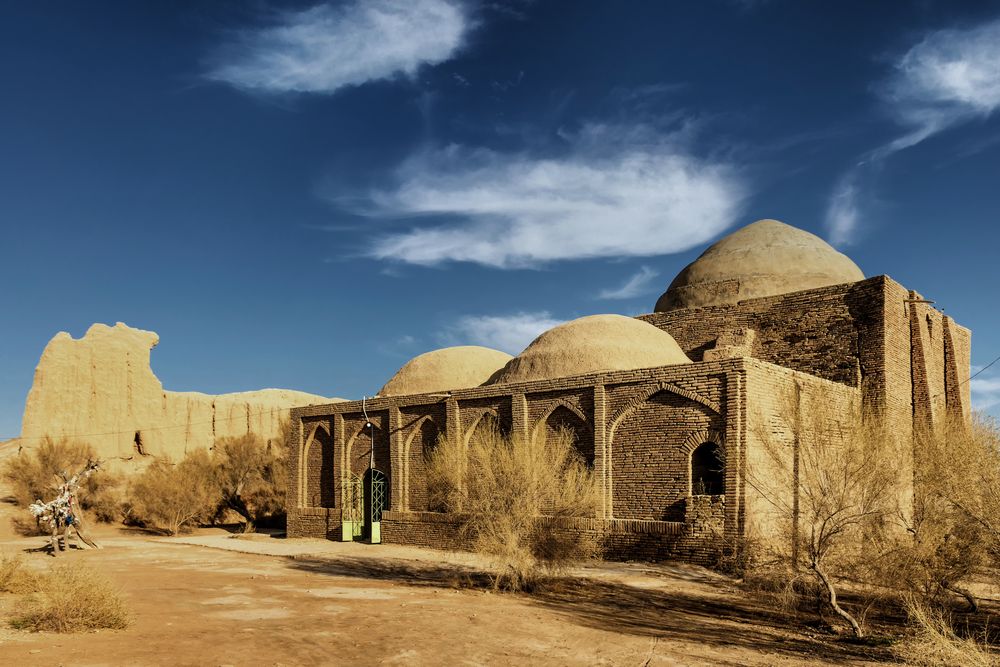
x=712, y=618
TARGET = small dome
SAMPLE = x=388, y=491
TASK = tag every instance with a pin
x=445, y=369
x=762, y=259
x=592, y=344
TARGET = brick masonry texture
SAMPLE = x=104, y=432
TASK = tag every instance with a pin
x=871, y=345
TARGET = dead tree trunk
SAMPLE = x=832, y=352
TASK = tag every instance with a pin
x=832, y=599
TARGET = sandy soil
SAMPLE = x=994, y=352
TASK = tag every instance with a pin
x=209, y=599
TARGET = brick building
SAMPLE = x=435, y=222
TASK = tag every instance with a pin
x=768, y=317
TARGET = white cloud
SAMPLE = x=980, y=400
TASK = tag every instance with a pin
x=616, y=193
x=638, y=284
x=842, y=212
x=510, y=333
x=325, y=48
x=951, y=76
x=985, y=393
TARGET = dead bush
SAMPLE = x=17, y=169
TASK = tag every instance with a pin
x=15, y=576
x=934, y=643
x=71, y=598
x=170, y=498
x=513, y=494
x=37, y=472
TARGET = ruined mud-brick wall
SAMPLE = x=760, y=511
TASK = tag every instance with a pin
x=640, y=427
x=873, y=334
x=100, y=389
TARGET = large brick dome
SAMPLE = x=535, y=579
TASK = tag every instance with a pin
x=591, y=344
x=445, y=369
x=765, y=258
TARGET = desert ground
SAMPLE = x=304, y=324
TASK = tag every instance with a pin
x=211, y=599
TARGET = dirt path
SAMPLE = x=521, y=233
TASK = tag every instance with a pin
x=315, y=602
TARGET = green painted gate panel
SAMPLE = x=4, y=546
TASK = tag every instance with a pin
x=353, y=518
x=376, y=500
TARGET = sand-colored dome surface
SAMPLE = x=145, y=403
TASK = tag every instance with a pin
x=445, y=369
x=762, y=259
x=591, y=344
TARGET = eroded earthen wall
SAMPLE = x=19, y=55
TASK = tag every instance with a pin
x=100, y=389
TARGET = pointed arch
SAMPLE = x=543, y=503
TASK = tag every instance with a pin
x=486, y=418
x=416, y=449
x=558, y=403
x=317, y=490
x=357, y=454
x=565, y=416
x=633, y=404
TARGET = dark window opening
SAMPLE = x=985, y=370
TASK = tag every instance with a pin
x=708, y=470
x=138, y=444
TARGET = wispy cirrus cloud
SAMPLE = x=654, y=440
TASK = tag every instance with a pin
x=843, y=212
x=326, y=47
x=950, y=77
x=638, y=284
x=510, y=333
x=617, y=192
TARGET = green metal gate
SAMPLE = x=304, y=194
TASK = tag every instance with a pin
x=376, y=500
x=353, y=521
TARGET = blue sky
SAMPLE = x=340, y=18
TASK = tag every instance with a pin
x=306, y=195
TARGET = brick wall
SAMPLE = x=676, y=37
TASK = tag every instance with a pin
x=788, y=412
x=651, y=456
x=657, y=414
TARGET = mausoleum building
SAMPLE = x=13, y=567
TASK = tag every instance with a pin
x=668, y=408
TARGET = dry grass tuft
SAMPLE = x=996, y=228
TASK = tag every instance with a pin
x=15, y=577
x=934, y=642
x=71, y=598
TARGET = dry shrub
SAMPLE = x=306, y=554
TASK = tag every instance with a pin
x=15, y=577
x=37, y=473
x=934, y=642
x=71, y=598
x=171, y=498
x=783, y=588
x=252, y=476
x=512, y=492
x=445, y=471
x=845, y=469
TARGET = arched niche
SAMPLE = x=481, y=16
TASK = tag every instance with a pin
x=419, y=447
x=319, y=478
x=650, y=455
x=564, y=418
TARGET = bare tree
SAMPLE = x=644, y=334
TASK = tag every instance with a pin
x=833, y=481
